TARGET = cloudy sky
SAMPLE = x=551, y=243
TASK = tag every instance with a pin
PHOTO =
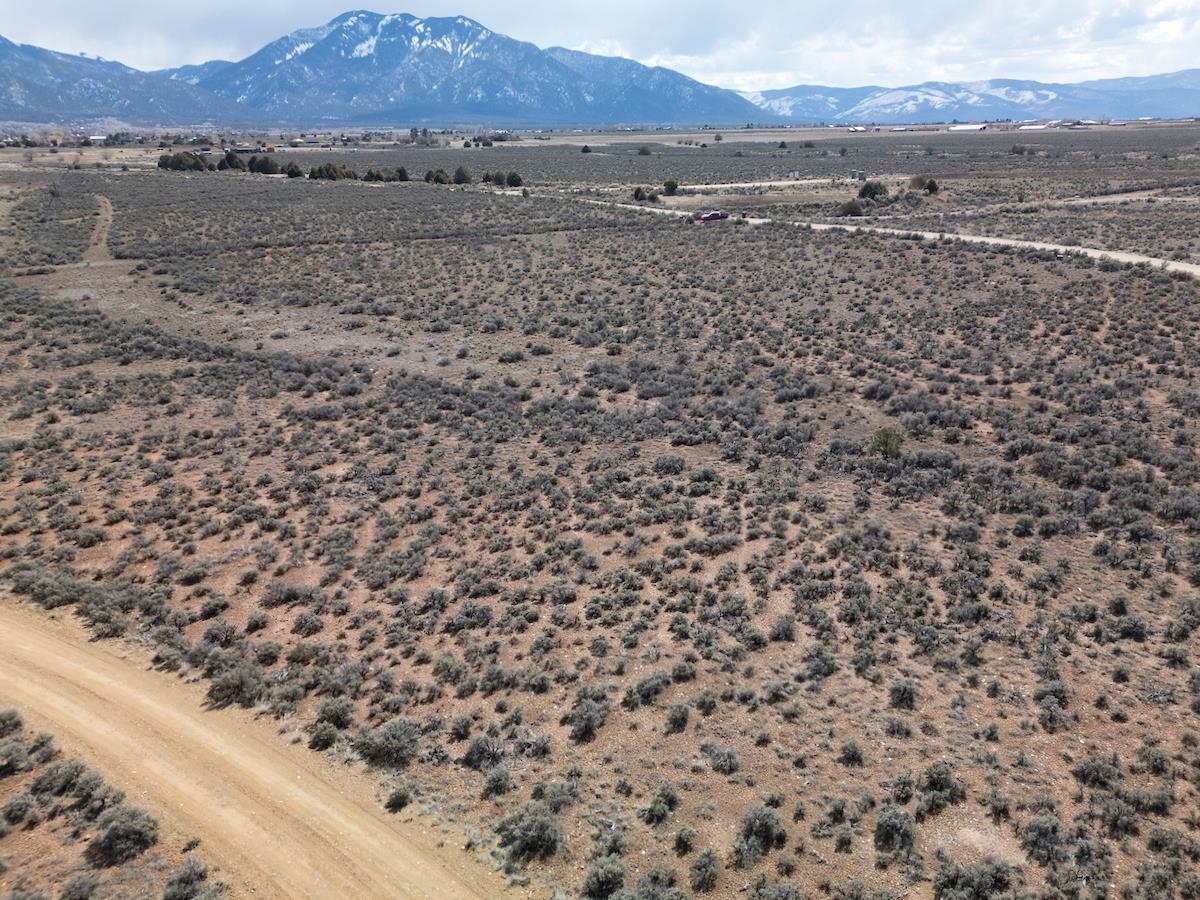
x=748, y=45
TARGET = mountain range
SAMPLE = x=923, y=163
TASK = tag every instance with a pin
x=363, y=68
x=39, y=85
x=1172, y=96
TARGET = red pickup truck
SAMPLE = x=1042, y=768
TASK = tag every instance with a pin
x=714, y=215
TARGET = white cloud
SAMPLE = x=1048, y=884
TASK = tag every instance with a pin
x=758, y=45
x=602, y=47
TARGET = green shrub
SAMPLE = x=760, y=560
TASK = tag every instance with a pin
x=703, y=871
x=532, y=832
x=724, y=760
x=588, y=714
x=886, y=442
x=497, y=782
x=85, y=885
x=484, y=752
x=987, y=880
x=242, y=684
x=760, y=832
x=324, y=735
x=337, y=711
x=263, y=165
x=665, y=802
x=902, y=693
x=189, y=882
x=332, y=172
x=1097, y=771
x=17, y=808
x=605, y=878
x=398, y=799
x=939, y=788
x=873, y=190
x=392, y=745
x=893, y=829
x=851, y=754
x=122, y=833
x=183, y=162
x=10, y=722
x=1041, y=837
x=232, y=162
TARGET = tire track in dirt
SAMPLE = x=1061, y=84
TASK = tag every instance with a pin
x=97, y=250
x=278, y=820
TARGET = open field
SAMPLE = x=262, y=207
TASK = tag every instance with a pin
x=628, y=551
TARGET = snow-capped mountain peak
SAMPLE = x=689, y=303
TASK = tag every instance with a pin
x=362, y=66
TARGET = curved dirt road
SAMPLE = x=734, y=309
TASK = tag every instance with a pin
x=277, y=820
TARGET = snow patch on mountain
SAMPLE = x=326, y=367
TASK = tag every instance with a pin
x=366, y=48
x=294, y=52
x=900, y=100
x=1026, y=97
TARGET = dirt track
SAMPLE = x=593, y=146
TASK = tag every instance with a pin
x=278, y=820
x=1122, y=256
x=1169, y=265
x=97, y=250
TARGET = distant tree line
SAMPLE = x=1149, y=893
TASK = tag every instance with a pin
x=400, y=174
x=185, y=161
x=332, y=172
x=500, y=179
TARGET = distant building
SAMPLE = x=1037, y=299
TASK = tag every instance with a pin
x=980, y=127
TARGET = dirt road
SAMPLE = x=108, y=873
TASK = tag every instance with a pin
x=278, y=820
x=1122, y=256
x=1170, y=265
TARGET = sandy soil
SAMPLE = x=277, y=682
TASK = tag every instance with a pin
x=280, y=820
